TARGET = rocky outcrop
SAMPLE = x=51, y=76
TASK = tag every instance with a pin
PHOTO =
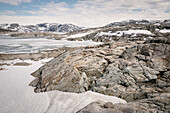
x=136, y=72
x=102, y=107
x=156, y=104
x=73, y=70
x=140, y=70
x=148, y=24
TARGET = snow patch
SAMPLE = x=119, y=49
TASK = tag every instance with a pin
x=165, y=31
x=41, y=28
x=62, y=102
x=17, y=97
x=79, y=34
x=121, y=33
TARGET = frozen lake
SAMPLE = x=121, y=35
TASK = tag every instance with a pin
x=33, y=44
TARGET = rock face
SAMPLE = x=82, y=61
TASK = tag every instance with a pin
x=143, y=106
x=101, y=107
x=136, y=72
x=70, y=71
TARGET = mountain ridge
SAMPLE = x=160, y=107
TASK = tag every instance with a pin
x=67, y=28
x=41, y=27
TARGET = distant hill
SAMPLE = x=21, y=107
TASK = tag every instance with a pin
x=42, y=27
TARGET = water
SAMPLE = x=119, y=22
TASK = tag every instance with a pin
x=33, y=44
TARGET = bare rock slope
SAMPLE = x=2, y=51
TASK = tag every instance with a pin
x=136, y=72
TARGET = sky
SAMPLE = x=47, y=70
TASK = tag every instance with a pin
x=84, y=13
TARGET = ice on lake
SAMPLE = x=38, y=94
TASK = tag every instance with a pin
x=33, y=44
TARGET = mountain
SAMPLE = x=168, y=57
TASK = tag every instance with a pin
x=42, y=27
x=132, y=22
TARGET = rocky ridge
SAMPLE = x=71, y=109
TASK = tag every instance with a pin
x=165, y=23
x=132, y=30
x=137, y=72
x=43, y=27
x=117, y=31
x=120, y=29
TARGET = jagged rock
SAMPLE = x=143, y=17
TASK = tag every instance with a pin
x=132, y=74
x=156, y=103
x=99, y=107
x=69, y=71
x=73, y=71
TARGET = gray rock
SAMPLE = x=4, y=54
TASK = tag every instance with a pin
x=157, y=103
x=99, y=107
x=134, y=75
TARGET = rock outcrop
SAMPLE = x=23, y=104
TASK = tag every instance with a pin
x=73, y=70
x=151, y=105
x=136, y=72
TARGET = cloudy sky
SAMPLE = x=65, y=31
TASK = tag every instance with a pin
x=87, y=13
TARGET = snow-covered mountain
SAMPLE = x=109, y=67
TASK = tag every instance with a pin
x=43, y=27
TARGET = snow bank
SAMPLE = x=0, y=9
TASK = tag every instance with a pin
x=79, y=34
x=106, y=33
x=165, y=31
x=17, y=97
x=61, y=102
x=121, y=33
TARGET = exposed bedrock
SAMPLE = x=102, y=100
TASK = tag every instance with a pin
x=136, y=72
x=150, y=105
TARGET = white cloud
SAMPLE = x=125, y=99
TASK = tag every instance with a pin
x=95, y=13
x=6, y=12
x=14, y=2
